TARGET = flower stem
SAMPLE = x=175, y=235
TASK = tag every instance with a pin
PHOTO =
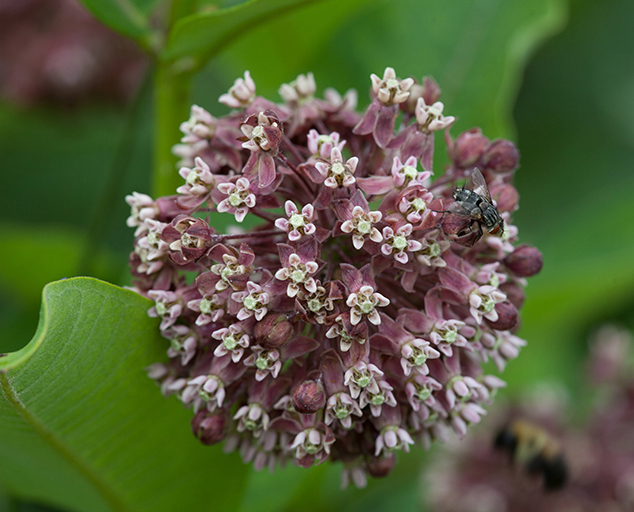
x=253, y=234
x=171, y=103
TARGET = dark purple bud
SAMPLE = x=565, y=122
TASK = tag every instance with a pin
x=309, y=397
x=525, y=261
x=501, y=156
x=515, y=294
x=209, y=427
x=469, y=147
x=273, y=331
x=507, y=316
x=381, y=466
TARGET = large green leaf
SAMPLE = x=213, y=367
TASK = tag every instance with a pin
x=204, y=34
x=128, y=17
x=83, y=428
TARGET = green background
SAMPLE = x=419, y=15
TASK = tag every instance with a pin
x=556, y=77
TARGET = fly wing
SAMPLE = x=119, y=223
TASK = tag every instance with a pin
x=480, y=185
x=457, y=208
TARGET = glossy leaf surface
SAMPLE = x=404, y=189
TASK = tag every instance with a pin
x=81, y=425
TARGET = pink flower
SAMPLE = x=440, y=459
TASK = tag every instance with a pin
x=482, y=302
x=335, y=172
x=360, y=224
x=298, y=273
x=241, y=93
x=254, y=301
x=404, y=173
x=322, y=145
x=239, y=198
x=430, y=116
x=143, y=207
x=167, y=305
x=298, y=224
x=390, y=89
x=199, y=181
x=234, y=340
x=299, y=90
x=398, y=245
x=201, y=125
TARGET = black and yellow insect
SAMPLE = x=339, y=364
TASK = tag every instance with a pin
x=534, y=449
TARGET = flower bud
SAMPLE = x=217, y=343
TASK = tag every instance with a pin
x=514, y=293
x=507, y=316
x=381, y=466
x=469, y=147
x=415, y=92
x=306, y=461
x=168, y=208
x=431, y=90
x=309, y=397
x=525, y=261
x=506, y=197
x=273, y=331
x=501, y=156
x=209, y=427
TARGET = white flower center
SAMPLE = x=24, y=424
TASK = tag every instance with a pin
x=298, y=276
x=337, y=168
x=161, y=308
x=297, y=220
x=205, y=306
x=392, y=84
x=154, y=239
x=418, y=204
x=399, y=242
x=230, y=342
x=364, y=227
x=410, y=172
x=251, y=301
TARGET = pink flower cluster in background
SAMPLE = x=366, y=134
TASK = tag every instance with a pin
x=349, y=318
x=598, y=452
x=55, y=51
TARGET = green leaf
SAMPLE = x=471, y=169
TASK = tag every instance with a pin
x=83, y=428
x=475, y=49
x=202, y=35
x=128, y=17
x=576, y=184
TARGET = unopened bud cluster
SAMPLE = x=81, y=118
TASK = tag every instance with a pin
x=353, y=319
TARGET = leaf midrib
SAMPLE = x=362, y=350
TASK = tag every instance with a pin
x=12, y=397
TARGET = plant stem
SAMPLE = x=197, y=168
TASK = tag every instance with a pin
x=172, y=85
x=171, y=104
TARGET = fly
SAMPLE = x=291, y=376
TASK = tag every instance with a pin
x=477, y=205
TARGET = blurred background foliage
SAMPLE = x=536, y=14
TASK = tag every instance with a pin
x=568, y=102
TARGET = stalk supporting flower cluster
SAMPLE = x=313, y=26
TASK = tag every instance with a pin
x=352, y=317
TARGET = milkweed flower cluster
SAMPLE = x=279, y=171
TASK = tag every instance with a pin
x=351, y=318
x=599, y=453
